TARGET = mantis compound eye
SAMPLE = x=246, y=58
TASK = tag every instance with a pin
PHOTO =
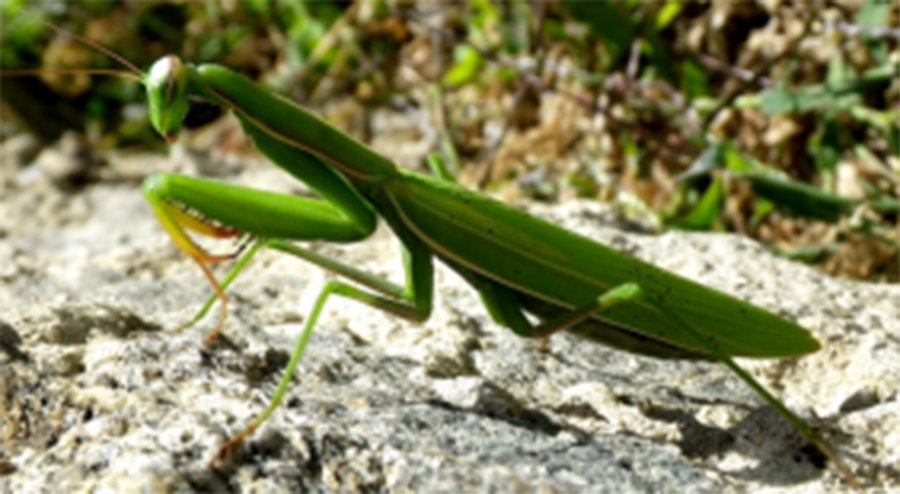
x=167, y=95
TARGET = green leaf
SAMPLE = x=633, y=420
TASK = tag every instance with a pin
x=514, y=27
x=808, y=254
x=258, y=7
x=467, y=63
x=885, y=204
x=839, y=71
x=483, y=14
x=761, y=209
x=887, y=122
x=736, y=162
x=825, y=145
x=777, y=102
x=706, y=212
x=608, y=21
x=780, y=101
x=875, y=13
x=694, y=83
x=710, y=159
x=799, y=198
x=667, y=14
x=660, y=57
x=20, y=33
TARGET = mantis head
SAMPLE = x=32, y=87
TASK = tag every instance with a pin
x=166, y=83
x=167, y=95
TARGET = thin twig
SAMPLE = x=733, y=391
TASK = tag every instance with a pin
x=867, y=31
x=736, y=72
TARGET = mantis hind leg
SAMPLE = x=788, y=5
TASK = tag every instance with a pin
x=798, y=423
x=507, y=307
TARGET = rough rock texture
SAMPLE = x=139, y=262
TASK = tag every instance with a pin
x=100, y=395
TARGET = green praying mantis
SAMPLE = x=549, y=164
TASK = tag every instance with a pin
x=523, y=267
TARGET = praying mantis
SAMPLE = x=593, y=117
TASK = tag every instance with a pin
x=524, y=268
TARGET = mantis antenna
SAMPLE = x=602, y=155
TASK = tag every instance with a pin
x=97, y=46
x=133, y=73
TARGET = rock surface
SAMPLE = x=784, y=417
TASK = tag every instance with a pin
x=100, y=395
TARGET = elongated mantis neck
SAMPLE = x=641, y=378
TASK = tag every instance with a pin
x=283, y=120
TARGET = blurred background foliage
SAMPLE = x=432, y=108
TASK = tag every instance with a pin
x=778, y=120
